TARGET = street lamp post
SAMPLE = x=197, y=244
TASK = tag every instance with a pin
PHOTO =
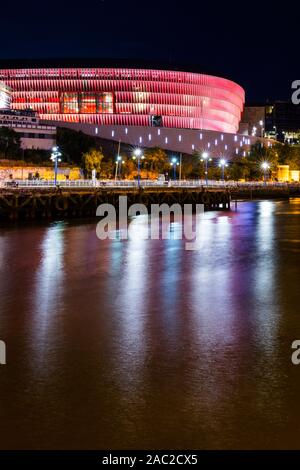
x=223, y=165
x=118, y=161
x=120, y=168
x=174, y=163
x=265, y=167
x=55, y=158
x=138, y=155
x=180, y=165
x=205, y=159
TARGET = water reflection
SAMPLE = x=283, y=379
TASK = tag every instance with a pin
x=266, y=283
x=140, y=343
x=46, y=297
x=49, y=276
x=130, y=303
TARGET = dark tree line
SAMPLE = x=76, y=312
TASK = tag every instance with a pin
x=10, y=143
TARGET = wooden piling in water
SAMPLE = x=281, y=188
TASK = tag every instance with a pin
x=38, y=204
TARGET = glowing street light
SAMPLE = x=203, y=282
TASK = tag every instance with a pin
x=138, y=155
x=55, y=154
x=205, y=159
x=120, y=168
x=262, y=130
x=174, y=163
x=118, y=161
x=265, y=167
x=223, y=164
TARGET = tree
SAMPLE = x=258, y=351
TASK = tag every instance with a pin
x=157, y=158
x=239, y=170
x=290, y=155
x=191, y=166
x=74, y=144
x=259, y=154
x=91, y=160
x=130, y=169
x=235, y=172
x=10, y=143
x=107, y=169
x=37, y=156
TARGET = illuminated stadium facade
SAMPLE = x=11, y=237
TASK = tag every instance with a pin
x=5, y=96
x=180, y=112
x=128, y=97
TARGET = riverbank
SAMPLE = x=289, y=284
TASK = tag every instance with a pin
x=60, y=203
x=268, y=192
x=67, y=203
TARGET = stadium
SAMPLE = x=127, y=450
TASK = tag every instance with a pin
x=127, y=103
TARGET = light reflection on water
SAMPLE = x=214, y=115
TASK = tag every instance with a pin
x=49, y=279
x=139, y=343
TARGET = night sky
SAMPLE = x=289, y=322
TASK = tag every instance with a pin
x=256, y=45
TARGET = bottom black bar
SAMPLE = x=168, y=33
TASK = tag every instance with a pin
x=136, y=459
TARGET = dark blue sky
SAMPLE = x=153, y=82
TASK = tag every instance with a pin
x=256, y=44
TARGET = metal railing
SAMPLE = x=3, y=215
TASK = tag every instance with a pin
x=17, y=183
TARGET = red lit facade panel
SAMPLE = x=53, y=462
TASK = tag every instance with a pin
x=128, y=97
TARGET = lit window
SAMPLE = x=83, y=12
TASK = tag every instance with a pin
x=88, y=103
x=70, y=103
x=105, y=103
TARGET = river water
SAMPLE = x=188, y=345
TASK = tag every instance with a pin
x=142, y=344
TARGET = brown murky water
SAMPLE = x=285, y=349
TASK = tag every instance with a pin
x=142, y=344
